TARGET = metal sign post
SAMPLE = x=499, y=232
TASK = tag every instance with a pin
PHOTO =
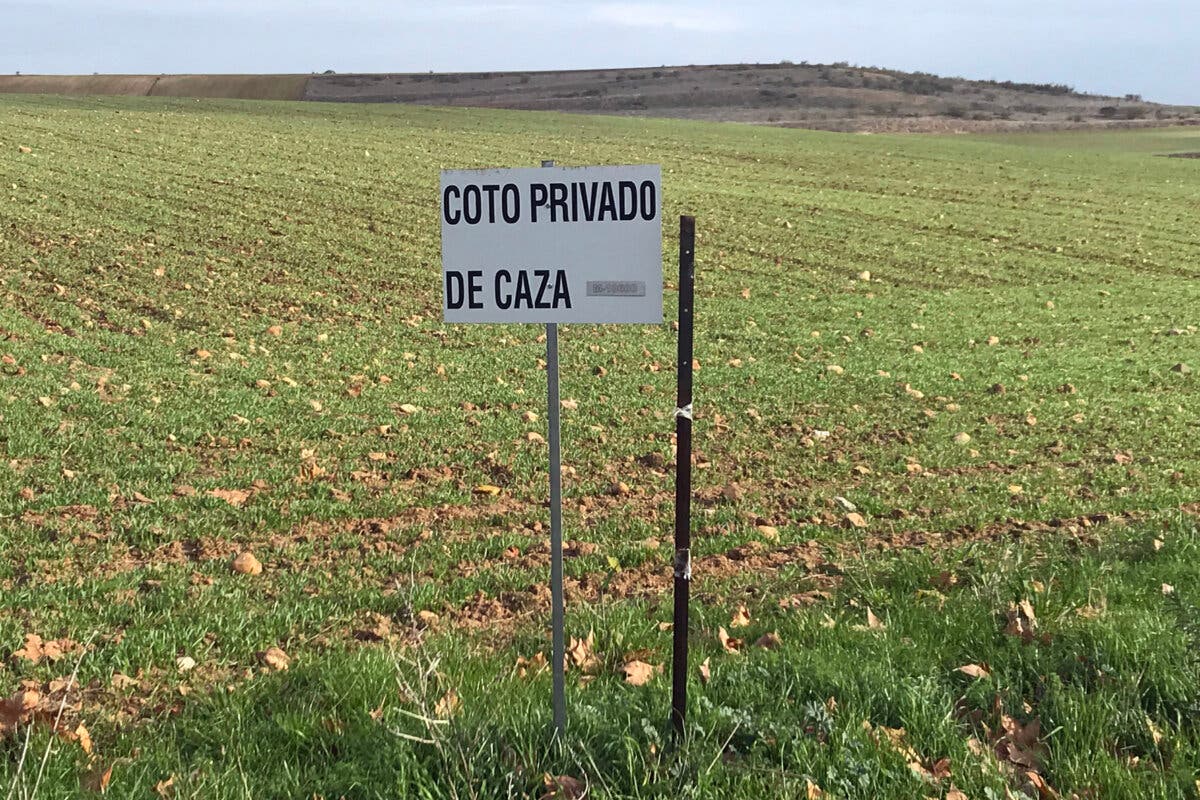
x=551, y=245
x=683, y=474
x=558, y=648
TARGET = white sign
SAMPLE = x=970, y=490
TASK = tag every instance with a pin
x=552, y=244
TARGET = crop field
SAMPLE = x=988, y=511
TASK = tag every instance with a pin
x=269, y=528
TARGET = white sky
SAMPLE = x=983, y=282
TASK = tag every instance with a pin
x=1151, y=47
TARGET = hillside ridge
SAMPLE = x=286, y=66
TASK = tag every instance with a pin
x=836, y=96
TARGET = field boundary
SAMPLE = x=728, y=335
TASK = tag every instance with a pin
x=237, y=87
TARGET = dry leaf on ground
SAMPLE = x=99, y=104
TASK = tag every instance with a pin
x=98, y=778
x=1021, y=621
x=638, y=673
x=563, y=787
x=528, y=666
x=36, y=648
x=770, y=641
x=276, y=659
x=975, y=670
x=579, y=653
x=235, y=497
x=1020, y=743
x=730, y=644
x=246, y=564
x=16, y=709
x=448, y=705
x=82, y=735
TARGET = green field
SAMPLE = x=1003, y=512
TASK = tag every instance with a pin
x=221, y=334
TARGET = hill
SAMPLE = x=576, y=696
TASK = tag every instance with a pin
x=835, y=97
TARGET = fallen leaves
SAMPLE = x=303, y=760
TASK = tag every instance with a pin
x=275, y=659
x=563, y=787
x=873, y=622
x=531, y=666
x=17, y=709
x=487, y=489
x=804, y=599
x=246, y=564
x=1021, y=621
x=120, y=681
x=975, y=670
x=729, y=643
x=448, y=706
x=235, y=497
x=769, y=532
x=1019, y=744
x=310, y=469
x=165, y=788
x=740, y=617
x=98, y=778
x=769, y=641
x=896, y=739
x=82, y=735
x=376, y=628
x=36, y=649
x=638, y=673
x=580, y=653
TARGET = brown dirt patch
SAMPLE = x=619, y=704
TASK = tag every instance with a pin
x=244, y=87
x=500, y=616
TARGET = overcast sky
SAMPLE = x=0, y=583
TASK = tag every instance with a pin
x=1151, y=47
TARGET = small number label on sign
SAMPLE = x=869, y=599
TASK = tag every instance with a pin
x=616, y=288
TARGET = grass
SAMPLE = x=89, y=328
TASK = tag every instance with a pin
x=225, y=297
